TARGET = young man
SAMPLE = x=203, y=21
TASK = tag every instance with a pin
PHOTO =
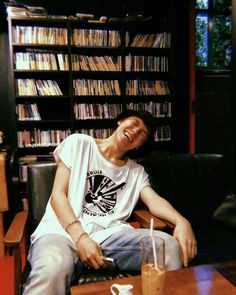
x=95, y=190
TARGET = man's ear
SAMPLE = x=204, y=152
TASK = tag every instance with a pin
x=120, y=121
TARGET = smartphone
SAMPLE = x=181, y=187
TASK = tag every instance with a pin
x=109, y=263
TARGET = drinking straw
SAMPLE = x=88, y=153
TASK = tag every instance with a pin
x=151, y=227
x=153, y=243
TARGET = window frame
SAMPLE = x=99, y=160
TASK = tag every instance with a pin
x=212, y=14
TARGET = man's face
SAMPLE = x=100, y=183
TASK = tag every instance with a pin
x=133, y=132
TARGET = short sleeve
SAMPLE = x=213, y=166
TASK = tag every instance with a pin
x=65, y=150
x=144, y=179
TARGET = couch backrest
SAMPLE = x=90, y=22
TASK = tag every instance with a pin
x=40, y=181
x=194, y=183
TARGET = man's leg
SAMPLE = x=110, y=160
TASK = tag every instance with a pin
x=124, y=247
x=52, y=259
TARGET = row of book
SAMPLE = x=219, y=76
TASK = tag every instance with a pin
x=91, y=37
x=87, y=37
x=163, y=133
x=34, y=60
x=86, y=111
x=147, y=87
x=41, y=61
x=39, y=35
x=157, y=109
x=21, y=9
x=41, y=138
x=96, y=87
x=146, y=63
x=59, y=61
x=91, y=87
x=157, y=40
x=26, y=87
x=96, y=63
x=18, y=8
x=51, y=138
x=27, y=111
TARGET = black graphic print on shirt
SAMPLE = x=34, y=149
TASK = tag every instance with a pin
x=101, y=196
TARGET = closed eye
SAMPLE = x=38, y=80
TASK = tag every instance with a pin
x=138, y=123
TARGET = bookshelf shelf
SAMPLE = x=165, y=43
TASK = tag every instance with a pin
x=36, y=45
x=47, y=72
x=42, y=122
x=39, y=97
x=80, y=75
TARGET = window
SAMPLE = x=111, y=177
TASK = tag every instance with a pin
x=213, y=34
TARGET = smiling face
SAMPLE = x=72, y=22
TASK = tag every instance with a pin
x=132, y=132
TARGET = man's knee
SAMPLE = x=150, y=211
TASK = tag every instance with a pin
x=173, y=254
x=53, y=266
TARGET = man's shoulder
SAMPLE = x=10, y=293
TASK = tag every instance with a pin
x=80, y=137
x=135, y=164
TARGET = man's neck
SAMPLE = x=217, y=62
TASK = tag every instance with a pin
x=110, y=152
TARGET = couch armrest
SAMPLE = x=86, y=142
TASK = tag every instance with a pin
x=144, y=216
x=13, y=238
x=15, y=233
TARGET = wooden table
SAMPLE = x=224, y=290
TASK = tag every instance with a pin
x=197, y=280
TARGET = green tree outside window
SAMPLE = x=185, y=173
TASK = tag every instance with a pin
x=213, y=34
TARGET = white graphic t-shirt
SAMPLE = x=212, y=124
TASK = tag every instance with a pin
x=102, y=195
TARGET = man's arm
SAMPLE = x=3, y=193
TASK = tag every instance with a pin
x=89, y=251
x=183, y=232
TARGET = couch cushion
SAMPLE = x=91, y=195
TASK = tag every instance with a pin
x=226, y=212
x=39, y=186
x=195, y=184
x=215, y=179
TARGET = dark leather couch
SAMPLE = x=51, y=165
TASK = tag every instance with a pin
x=39, y=186
x=195, y=184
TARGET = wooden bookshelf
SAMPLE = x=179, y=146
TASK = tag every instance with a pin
x=73, y=76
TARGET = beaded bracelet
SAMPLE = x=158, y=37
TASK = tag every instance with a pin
x=71, y=223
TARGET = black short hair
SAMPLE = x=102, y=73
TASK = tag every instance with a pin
x=149, y=121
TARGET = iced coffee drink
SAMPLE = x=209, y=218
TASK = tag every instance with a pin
x=153, y=279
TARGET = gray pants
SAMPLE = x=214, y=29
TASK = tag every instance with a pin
x=53, y=258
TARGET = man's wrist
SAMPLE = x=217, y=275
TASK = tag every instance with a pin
x=76, y=232
x=77, y=239
x=70, y=224
x=180, y=219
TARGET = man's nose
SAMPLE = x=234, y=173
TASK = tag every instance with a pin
x=137, y=130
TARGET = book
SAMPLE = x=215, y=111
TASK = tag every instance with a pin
x=84, y=16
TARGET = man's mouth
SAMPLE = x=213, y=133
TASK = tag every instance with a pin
x=129, y=138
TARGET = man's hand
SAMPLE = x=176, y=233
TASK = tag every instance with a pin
x=183, y=233
x=90, y=252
